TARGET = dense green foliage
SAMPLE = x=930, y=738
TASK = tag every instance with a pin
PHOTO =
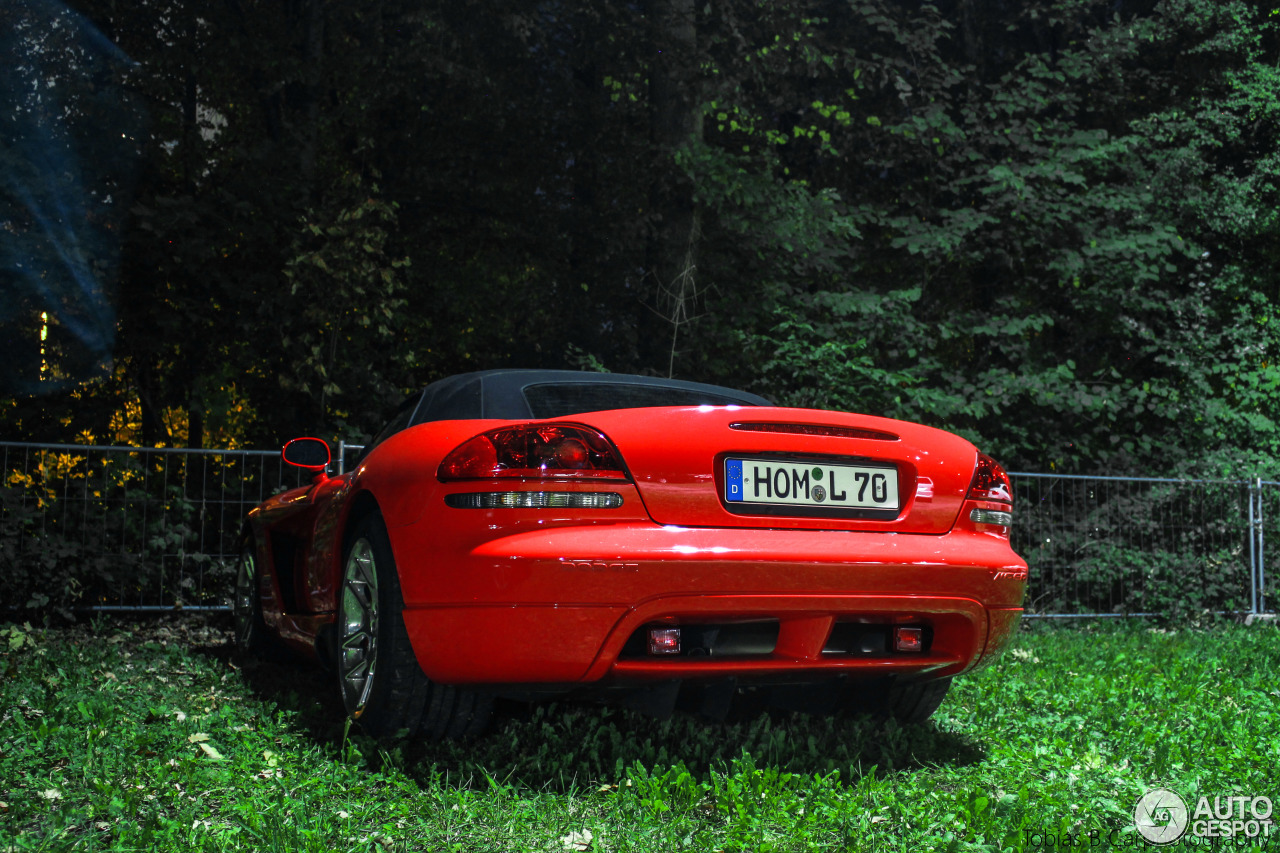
x=120, y=737
x=1050, y=225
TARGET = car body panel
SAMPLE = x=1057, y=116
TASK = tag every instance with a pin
x=555, y=645
x=643, y=560
x=555, y=597
x=681, y=478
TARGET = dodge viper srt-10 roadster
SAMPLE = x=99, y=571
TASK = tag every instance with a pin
x=527, y=534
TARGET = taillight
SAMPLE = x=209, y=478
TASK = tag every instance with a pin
x=535, y=451
x=990, y=482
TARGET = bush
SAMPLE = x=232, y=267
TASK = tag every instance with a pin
x=77, y=531
x=1172, y=548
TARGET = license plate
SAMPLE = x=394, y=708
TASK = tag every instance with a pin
x=768, y=481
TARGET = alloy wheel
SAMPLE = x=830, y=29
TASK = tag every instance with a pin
x=242, y=601
x=358, y=615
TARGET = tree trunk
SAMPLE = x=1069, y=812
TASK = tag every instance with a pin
x=195, y=423
x=970, y=22
x=153, y=430
x=313, y=10
x=675, y=121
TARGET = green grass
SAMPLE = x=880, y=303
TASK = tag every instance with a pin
x=150, y=736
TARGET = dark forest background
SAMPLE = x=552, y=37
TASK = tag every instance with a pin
x=1049, y=225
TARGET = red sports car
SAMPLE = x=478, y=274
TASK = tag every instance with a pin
x=535, y=533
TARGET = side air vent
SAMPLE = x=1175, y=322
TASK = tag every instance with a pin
x=816, y=429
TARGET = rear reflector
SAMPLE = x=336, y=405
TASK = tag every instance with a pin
x=816, y=429
x=535, y=500
x=664, y=641
x=908, y=639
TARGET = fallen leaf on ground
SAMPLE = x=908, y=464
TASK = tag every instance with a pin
x=211, y=752
x=577, y=840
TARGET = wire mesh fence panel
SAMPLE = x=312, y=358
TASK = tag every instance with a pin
x=1110, y=546
x=148, y=529
x=134, y=528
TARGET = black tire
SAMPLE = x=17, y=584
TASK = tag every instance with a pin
x=381, y=684
x=251, y=633
x=913, y=702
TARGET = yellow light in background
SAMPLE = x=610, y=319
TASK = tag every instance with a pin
x=44, y=336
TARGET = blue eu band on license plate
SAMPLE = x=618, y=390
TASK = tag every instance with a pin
x=779, y=483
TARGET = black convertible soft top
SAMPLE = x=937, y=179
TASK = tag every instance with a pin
x=513, y=394
x=520, y=394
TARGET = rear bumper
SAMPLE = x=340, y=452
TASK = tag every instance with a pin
x=577, y=645
x=557, y=607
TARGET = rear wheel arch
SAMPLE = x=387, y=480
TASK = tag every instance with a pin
x=363, y=505
x=252, y=635
x=379, y=678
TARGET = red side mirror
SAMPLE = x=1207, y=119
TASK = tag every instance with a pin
x=310, y=453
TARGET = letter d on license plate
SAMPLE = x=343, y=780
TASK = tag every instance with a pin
x=779, y=483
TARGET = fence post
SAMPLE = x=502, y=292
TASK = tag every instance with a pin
x=342, y=457
x=1260, y=581
x=1255, y=546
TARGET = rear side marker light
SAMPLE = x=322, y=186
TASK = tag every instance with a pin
x=908, y=639
x=991, y=516
x=535, y=500
x=816, y=429
x=664, y=641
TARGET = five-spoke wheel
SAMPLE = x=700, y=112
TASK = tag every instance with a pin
x=358, y=627
x=382, y=684
x=246, y=604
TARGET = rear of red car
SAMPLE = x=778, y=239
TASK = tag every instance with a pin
x=707, y=544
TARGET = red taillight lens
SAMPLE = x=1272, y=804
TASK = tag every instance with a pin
x=990, y=482
x=537, y=451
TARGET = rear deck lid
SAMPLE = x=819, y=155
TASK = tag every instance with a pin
x=729, y=466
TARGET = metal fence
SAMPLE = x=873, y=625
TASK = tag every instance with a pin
x=157, y=528
x=160, y=528
x=1113, y=546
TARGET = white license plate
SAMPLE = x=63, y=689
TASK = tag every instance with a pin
x=769, y=481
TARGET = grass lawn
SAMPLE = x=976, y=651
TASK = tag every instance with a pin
x=151, y=736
